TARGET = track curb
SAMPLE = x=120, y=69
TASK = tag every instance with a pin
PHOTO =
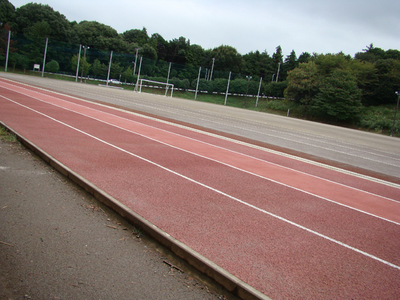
x=230, y=282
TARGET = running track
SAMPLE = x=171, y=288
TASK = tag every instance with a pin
x=289, y=228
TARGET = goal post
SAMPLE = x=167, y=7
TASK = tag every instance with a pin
x=157, y=83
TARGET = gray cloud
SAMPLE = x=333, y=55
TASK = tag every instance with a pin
x=328, y=26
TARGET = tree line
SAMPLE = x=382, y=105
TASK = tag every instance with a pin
x=331, y=85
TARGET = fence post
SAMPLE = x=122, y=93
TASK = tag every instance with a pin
x=8, y=50
x=44, y=56
x=137, y=81
x=227, y=88
x=197, y=87
x=77, y=65
x=259, y=89
x=109, y=68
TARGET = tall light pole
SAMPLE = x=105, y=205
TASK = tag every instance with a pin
x=84, y=59
x=395, y=113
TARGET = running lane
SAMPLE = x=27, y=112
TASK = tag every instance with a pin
x=289, y=228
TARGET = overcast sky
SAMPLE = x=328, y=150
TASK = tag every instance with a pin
x=321, y=26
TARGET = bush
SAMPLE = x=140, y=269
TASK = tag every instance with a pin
x=282, y=105
x=379, y=118
x=52, y=66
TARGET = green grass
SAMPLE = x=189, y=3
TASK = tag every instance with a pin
x=7, y=136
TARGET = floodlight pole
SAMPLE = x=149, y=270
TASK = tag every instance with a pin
x=84, y=59
x=395, y=113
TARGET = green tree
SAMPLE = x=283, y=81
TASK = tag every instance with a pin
x=303, y=84
x=367, y=80
x=370, y=54
x=7, y=13
x=83, y=65
x=99, y=69
x=148, y=52
x=19, y=60
x=137, y=36
x=39, y=29
x=178, y=50
x=30, y=14
x=388, y=73
x=4, y=41
x=339, y=97
x=289, y=64
x=160, y=45
x=97, y=35
x=227, y=59
x=304, y=57
x=195, y=55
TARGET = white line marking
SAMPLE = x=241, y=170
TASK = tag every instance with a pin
x=211, y=134
x=215, y=190
x=193, y=153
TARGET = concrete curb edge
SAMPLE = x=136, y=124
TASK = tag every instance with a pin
x=230, y=282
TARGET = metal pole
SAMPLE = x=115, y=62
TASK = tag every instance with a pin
x=8, y=50
x=166, y=88
x=197, y=87
x=395, y=113
x=44, y=56
x=279, y=68
x=140, y=67
x=227, y=88
x=212, y=68
x=109, y=67
x=84, y=60
x=259, y=89
x=77, y=65
x=134, y=70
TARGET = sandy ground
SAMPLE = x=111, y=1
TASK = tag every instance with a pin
x=57, y=242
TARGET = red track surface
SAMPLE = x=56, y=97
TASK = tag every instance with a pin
x=288, y=228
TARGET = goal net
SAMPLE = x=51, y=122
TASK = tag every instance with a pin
x=157, y=84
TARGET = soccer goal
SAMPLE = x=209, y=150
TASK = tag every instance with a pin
x=157, y=84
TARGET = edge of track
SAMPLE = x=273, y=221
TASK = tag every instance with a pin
x=230, y=282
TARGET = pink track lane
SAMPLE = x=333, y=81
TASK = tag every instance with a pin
x=277, y=258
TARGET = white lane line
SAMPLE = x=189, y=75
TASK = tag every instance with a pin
x=214, y=190
x=217, y=161
x=210, y=134
x=306, y=136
